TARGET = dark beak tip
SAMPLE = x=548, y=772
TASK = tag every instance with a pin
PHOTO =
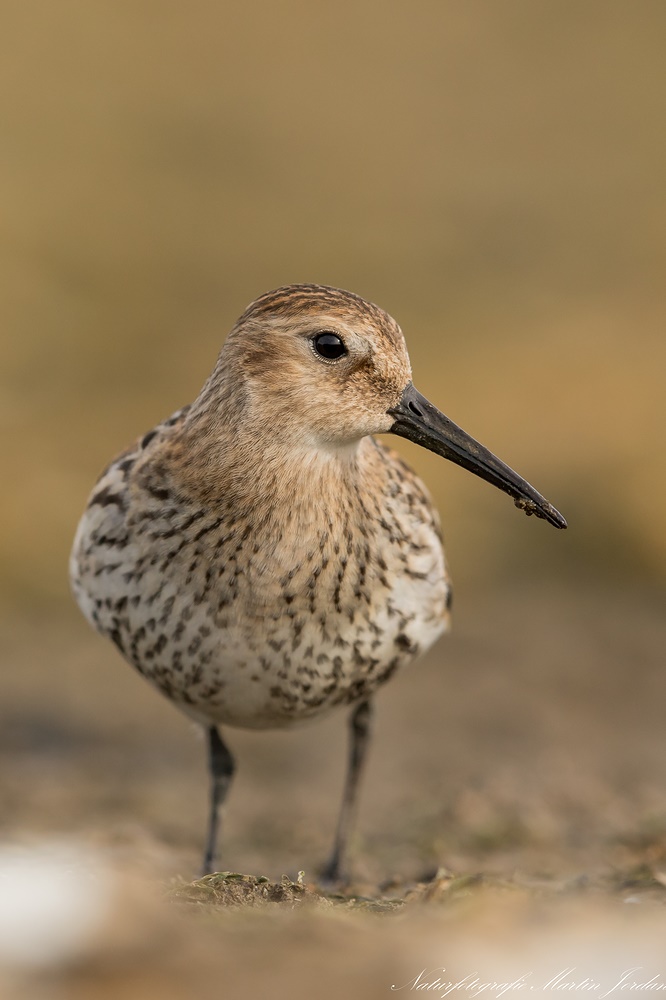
x=546, y=512
x=419, y=421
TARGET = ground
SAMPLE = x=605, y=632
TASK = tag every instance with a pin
x=517, y=778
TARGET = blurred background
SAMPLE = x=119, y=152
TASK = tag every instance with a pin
x=494, y=175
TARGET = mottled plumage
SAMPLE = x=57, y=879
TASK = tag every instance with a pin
x=258, y=556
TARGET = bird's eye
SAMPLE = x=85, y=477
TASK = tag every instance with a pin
x=329, y=346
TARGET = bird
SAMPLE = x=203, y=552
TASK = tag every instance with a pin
x=259, y=556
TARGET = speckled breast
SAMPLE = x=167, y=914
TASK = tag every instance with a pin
x=264, y=621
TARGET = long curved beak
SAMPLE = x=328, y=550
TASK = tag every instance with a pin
x=418, y=420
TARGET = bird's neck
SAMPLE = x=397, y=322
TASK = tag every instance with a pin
x=253, y=467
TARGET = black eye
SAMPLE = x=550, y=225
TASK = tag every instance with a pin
x=329, y=346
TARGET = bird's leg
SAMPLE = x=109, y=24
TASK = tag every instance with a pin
x=222, y=766
x=359, y=733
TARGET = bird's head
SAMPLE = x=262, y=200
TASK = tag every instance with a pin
x=320, y=368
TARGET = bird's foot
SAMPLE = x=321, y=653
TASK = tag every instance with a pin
x=332, y=877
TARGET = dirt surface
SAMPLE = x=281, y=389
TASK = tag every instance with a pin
x=531, y=737
x=518, y=775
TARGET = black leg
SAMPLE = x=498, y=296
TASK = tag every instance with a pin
x=359, y=732
x=222, y=767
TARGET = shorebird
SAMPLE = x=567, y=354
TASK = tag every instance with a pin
x=259, y=557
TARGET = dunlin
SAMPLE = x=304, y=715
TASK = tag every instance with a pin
x=259, y=556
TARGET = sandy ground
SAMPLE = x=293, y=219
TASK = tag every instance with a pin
x=524, y=759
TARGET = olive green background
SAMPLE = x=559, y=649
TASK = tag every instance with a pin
x=494, y=175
